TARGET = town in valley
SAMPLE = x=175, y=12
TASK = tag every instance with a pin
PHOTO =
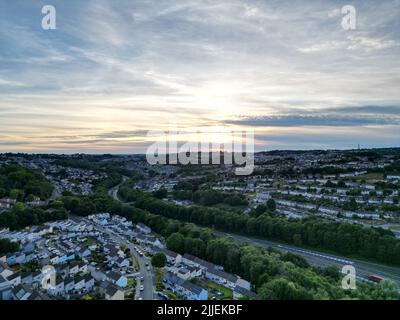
x=113, y=227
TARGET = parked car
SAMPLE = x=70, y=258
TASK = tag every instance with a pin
x=162, y=295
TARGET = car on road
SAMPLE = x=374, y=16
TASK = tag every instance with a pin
x=141, y=288
x=148, y=268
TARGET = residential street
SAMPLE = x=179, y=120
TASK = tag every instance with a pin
x=148, y=282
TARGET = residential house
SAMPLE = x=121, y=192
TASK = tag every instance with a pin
x=89, y=282
x=58, y=288
x=77, y=267
x=79, y=283
x=184, y=288
x=69, y=284
x=84, y=253
x=242, y=293
x=11, y=259
x=112, y=292
x=143, y=228
x=122, y=263
x=21, y=292
x=172, y=257
x=226, y=279
x=243, y=283
x=26, y=278
x=5, y=271
x=37, y=278
x=192, y=291
x=117, y=278
x=14, y=279
x=5, y=289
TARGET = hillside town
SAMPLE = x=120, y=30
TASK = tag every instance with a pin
x=86, y=227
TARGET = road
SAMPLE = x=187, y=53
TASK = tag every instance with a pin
x=148, y=277
x=148, y=281
x=363, y=268
x=113, y=192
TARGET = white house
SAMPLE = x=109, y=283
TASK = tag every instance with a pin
x=112, y=292
x=69, y=284
x=226, y=279
x=58, y=289
x=15, y=279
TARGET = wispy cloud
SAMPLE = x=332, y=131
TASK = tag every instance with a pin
x=334, y=117
x=114, y=69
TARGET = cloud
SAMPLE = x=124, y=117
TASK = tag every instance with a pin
x=335, y=117
x=352, y=42
x=114, y=69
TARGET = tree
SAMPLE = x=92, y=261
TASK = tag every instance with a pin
x=17, y=194
x=385, y=290
x=282, y=289
x=259, y=210
x=6, y=246
x=176, y=242
x=159, y=260
x=341, y=184
x=297, y=240
x=160, y=193
x=271, y=205
x=332, y=271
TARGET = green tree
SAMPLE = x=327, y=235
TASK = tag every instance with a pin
x=160, y=193
x=271, y=205
x=159, y=260
x=17, y=194
x=6, y=246
x=282, y=289
x=176, y=242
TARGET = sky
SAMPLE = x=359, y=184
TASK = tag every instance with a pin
x=113, y=70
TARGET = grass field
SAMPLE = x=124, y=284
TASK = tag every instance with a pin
x=370, y=177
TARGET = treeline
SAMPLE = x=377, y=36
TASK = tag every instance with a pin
x=191, y=190
x=342, y=238
x=6, y=246
x=20, y=183
x=77, y=163
x=20, y=217
x=211, y=197
x=257, y=265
